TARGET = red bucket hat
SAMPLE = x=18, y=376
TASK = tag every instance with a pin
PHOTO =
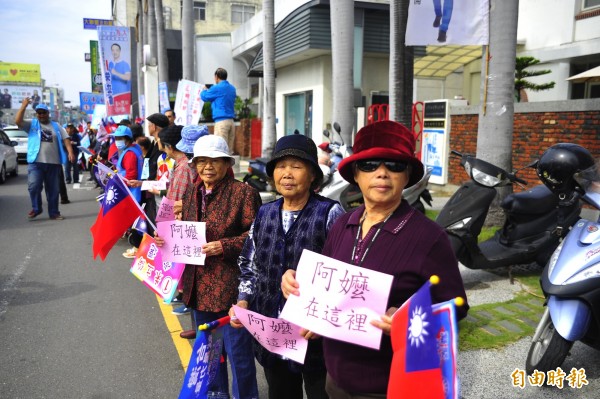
x=384, y=140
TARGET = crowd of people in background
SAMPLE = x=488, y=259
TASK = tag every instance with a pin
x=253, y=249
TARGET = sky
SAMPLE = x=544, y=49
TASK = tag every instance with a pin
x=50, y=33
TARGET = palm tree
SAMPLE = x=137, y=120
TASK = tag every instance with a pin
x=521, y=74
x=140, y=46
x=152, y=31
x=342, y=61
x=269, y=133
x=401, y=65
x=161, y=45
x=187, y=39
x=495, y=130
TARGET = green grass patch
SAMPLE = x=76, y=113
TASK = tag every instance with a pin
x=495, y=325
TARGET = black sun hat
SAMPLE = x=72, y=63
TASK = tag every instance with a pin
x=298, y=146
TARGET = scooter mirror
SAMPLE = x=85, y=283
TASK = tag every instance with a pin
x=326, y=133
x=534, y=164
x=337, y=127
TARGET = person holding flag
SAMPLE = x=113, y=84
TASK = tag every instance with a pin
x=228, y=207
x=387, y=235
x=130, y=161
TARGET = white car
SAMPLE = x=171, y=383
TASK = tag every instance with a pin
x=8, y=157
x=20, y=136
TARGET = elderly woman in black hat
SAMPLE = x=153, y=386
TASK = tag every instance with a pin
x=387, y=235
x=299, y=220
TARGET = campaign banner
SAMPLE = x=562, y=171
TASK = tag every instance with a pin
x=188, y=105
x=160, y=276
x=95, y=68
x=142, y=106
x=183, y=241
x=93, y=23
x=275, y=335
x=20, y=73
x=89, y=101
x=165, y=211
x=440, y=22
x=163, y=97
x=115, y=55
x=11, y=96
x=338, y=300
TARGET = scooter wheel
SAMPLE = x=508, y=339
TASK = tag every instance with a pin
x=549, y=351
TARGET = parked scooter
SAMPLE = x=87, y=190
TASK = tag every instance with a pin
x=257, y=178
x=349, y=195
x=535, y=219
x=571, y=279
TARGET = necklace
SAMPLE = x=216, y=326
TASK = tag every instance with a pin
x=372, y=239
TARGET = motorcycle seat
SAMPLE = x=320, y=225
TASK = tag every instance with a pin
x=537, y=200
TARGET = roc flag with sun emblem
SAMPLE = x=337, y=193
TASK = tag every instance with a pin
x=416, y=371
x=117, y=213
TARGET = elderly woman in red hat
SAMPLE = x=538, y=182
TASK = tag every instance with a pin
x=387, y=235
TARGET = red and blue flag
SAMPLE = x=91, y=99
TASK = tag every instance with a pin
x=118, y=211
x=416, y=371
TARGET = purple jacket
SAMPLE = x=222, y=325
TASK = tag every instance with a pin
x=411, y=248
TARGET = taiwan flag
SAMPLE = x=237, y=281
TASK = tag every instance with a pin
x=118, y=211
x=416, y=371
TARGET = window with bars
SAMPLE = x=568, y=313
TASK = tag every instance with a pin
x=241, y=13
x=199, y=10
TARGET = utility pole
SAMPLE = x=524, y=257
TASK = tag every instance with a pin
x=187, y=39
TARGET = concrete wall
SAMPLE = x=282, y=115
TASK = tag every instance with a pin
x=537, y=126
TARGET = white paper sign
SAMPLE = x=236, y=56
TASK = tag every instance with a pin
x=154, y=185
x=275, y=335
x=183, y=241
x=338, y=300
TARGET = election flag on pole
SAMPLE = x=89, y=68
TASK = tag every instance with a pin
x=204, y=361
x=118, y=211
x=416, y=362
x=447, y=344
x=103, y=173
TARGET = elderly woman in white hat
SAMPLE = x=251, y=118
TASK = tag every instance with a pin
x=228, y=207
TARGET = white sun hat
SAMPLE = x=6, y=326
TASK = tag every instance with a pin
x=211, y=146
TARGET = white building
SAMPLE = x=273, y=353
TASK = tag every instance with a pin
x=563, y=34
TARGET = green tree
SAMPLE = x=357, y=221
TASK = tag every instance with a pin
x=521, y=75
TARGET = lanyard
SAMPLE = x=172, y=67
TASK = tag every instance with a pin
x=370, y=243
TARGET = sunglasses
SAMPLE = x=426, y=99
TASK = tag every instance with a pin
x=371, y=165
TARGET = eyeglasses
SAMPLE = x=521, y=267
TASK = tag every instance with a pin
x=371, y=165
x=41, y=112
x=206, y=161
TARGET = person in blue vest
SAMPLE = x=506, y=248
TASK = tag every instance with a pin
x=131, y=160
x=46, y=146
x=300, y=220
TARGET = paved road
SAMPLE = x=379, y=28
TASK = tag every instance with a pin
x=73, y=327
